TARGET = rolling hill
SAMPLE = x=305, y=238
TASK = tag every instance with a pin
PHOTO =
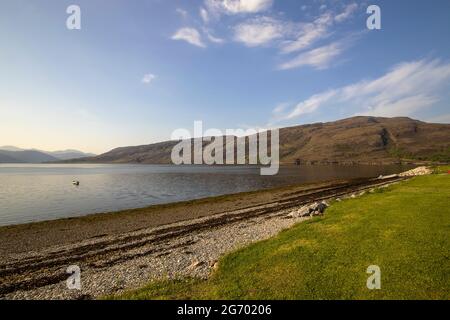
x=11, y=154
x=26, y=156
x=68, y=154
x=368, y=140
x=6, y=158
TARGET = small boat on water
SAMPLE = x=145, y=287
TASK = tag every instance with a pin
x=76, y=182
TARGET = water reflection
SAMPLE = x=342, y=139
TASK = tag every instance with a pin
x=42, y=192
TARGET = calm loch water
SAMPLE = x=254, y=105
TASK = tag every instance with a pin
x=44, y=192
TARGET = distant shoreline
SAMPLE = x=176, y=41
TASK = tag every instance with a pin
x=282, y=164
x=148, y=185
x=160, y=219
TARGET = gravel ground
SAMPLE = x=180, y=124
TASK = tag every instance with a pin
x=192, y=255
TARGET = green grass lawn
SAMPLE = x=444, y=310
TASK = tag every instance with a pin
x=404, y=229
x=441, y=169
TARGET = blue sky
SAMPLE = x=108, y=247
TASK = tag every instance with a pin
x=138, y=70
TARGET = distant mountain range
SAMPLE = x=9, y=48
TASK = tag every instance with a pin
x=11, y=154
x=364, y=140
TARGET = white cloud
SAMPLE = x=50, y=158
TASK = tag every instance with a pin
x=278, y=111
x=318, y=29
x=319, y=58
x=189, y=35
x=401, y=107
x=310, y=105
x=204, y=14
x=211, y=37
x=309, y=34
x=183, y=13
x=237, y=6
x=281, y=107
x=404, y=90
x=263, y=30
x=348, y=11
x=289, y=36
x=148, y=78
x=259, y=31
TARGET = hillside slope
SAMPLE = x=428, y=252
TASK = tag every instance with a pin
x=6, y=158
x=12, y=154
x=69, y=154
x=26, y=156
x=366, y=140
x=354, y=140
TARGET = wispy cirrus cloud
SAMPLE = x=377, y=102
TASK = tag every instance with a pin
x=231, y=7
x=190, y=35
x=288, y=37
x=347, y=13
x=404, y=90
x=204, y=15
x=278, y=113
x=183, y=13
x=319, y=58
x=259, y=31
x=291, y=37
x=320, y=28
x=308, y=34
x=211, y=37
x=148, y=78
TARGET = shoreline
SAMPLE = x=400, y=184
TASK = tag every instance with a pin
x=402, y=161
x=127, y=220
x=129, y=251
x=288, y=177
